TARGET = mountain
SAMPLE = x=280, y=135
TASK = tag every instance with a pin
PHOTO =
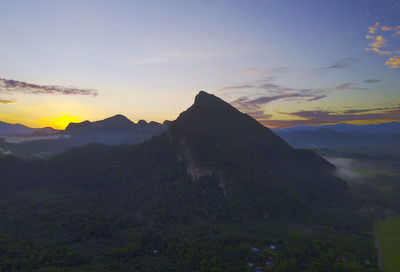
x=114, y=130
x=117, y=122
x=382, y=128
x=198, y=196
x=7, y=129
x=258, y=173
x=211, y=144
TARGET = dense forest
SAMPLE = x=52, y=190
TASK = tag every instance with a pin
x=195, y=198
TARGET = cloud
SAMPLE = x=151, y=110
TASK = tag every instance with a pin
x=379, y=42
x=393, y=62
x=318, y=97
x=395, y=29
x=370, y=81
x=235, y=87
x=14, y=86
x=319, y=117
x=253, y=72
x=252, y=103
x=338, y=65
x=380, y=52
x=344, y=86
x=341, y=87
x=354, y=111
x=7, y=101
x=373, y=29
x=267, y=99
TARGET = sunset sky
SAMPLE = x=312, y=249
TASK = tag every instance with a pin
x=286, y=63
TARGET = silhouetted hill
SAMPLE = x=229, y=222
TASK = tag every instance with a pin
x=216, y=139
x=12, y=129
x=114, y=123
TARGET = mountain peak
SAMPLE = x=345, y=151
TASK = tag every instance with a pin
x=119, y=116
x=210, y=102
x=204, y=98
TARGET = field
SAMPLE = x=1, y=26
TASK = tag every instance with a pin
x=389, y=238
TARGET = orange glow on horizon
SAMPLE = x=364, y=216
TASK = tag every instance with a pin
x=60, y=122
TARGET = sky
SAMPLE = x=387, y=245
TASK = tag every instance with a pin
x=286, y=63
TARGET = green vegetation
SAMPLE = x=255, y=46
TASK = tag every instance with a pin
x=389, y=238
x=200, y=197
x=364, y=171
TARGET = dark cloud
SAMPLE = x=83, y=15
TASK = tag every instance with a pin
x=7, y=101
x=372, y=80
x=314, y=117
x=319, y=117
x=266, y=99
x=370, y=110
x=13, y=86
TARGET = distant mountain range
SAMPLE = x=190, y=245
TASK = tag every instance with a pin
x=383, y=138
x=7, y=129
x=118, y=129
x=386, y=128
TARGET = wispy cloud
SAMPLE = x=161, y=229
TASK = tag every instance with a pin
x=7, y=101
x=371, y=81
x=14, y=86
x=395, y=29
x=337, y=65
x=344, y=86
x=276, y=92
x=318, y=97
x=234, y=87
x=253, y=104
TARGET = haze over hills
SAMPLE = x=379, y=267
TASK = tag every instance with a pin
x=385, y=140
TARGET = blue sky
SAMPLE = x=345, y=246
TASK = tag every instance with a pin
x=284, y=62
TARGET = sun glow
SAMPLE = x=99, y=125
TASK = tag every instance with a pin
x=59, y=122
